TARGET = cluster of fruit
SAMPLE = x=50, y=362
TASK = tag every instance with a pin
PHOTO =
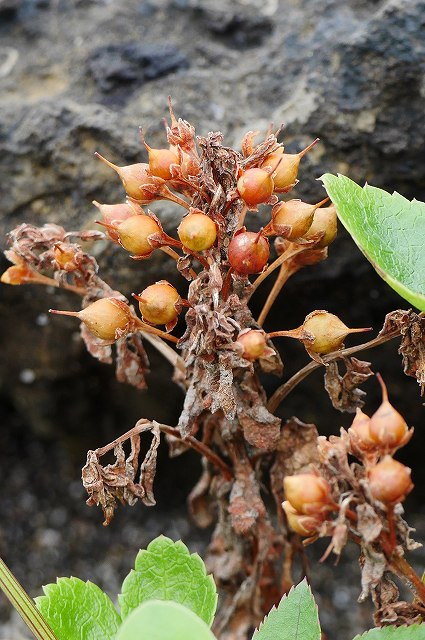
x=384, y=482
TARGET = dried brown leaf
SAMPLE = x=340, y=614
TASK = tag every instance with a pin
x=369, y=524
x=372, y=565
x=343, y=390
x=412, y=349
x=132, y=363
x=117, y=482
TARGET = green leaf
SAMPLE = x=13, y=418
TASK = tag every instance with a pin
x=414, y=632
x=389, y=229
x=167, y=571
x=163, y=620
x=78, y=610
x=295, y=618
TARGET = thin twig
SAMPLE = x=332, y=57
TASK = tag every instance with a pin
x=288, y=253
x=201, y=448
x=286, y=388
x=146, y=328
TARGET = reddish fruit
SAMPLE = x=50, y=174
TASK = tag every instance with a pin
x=324, y=221
x=107, y=318
x=248, y=252
x=254, y=343
x=255, y=186
x=387, y=427
x=308, y=493
x=197, y=232
x=300, y=523
x=272, y=161
x=389, y=481
x=134, y=177
x=159, y=303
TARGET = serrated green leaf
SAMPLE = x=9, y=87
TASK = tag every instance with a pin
x=78, y=610
x=389, y=229
x=163, y=620
x=167, y=571
x=414, y=632
x=295, y=618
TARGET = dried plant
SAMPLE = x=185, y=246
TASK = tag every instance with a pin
x=226, y=417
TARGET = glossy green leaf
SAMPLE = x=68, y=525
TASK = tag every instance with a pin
x=78, y=610
x=295, y=618
x=414, y=632
x=163, y=620
x=389, y=229
x=167, y=571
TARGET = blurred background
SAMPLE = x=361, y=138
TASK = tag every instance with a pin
x=78, y=76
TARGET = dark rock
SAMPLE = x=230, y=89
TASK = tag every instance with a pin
x=119, y=68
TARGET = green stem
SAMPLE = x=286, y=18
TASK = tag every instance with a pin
x=24, y=605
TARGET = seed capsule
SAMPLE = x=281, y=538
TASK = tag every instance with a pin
x=133, y=177
x=254, y=343
x=64, y=257
x=294, y=217
x=286, y=172
x=197, y=232
x=159, y=303
x=389, y=481
x=328, y=331
x=255, y=186
x=359, y=433
x=324, y=221
x=248, y=252
x=160, y=161
x=301, y=524
x=107, y=318
x=308, y=493
x=113, y=214
x=134, y=234
x=387, y=427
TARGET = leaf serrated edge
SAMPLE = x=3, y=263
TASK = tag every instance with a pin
x=393, y=630
x=284, y=599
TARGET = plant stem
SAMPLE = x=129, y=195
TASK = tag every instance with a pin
x=288, y=253
x=201, y=448
x=165, y=350
x=146, y=328
x=286, y=388
x=24, y=605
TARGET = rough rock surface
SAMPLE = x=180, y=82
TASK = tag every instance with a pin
x=80, y=76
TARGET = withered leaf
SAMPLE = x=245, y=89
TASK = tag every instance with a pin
x=412, y=349
x=132, y=362
x=245, y=503
x=372, y=565
x=369, y=524
x=296, y=452
x=117, y=481
x=343, y=390
x=100, y=350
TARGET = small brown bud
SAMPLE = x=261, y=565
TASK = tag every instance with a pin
x=309, y=494
x=17, y=274
x=389, y=481
x=253, y=342
x=300, y=523
x=388, y=429
x=107, y=318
